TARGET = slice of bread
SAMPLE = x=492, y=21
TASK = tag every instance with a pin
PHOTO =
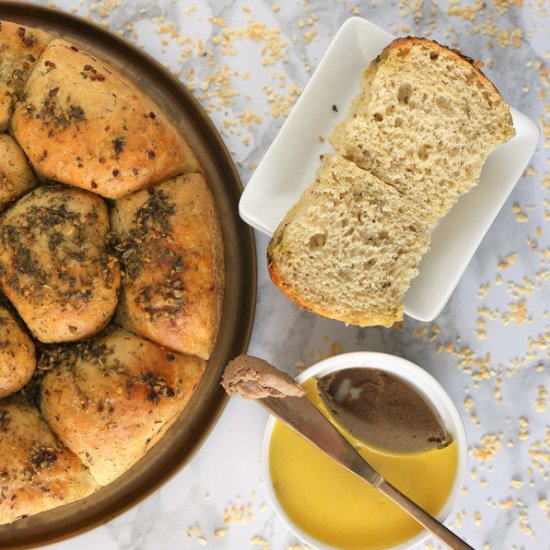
x=413, y=141
x=425, y=120
x=350, y=246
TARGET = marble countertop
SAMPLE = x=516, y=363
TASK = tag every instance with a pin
x=247, y=62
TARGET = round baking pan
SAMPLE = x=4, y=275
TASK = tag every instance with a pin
x=190, y=430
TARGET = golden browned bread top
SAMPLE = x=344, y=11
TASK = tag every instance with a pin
x=17, y=358
x=54, y=267
x=83, y=123
x=20, y=47
x=401, y=47
x=16, y=176
x=110, y=399
x=171, y=247
x=36, y=471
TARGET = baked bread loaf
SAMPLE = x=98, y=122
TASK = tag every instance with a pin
x=441, y=115
x=172, y=252
x=105, y=399
x=350, y=246
x=16, y=176
x=54, y=267
x=413, y=141
x=17, y=358
x=109, y=400
x=20, y=47
x=83, y=123
x=36, y=471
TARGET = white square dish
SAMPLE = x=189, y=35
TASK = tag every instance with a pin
x=291, y=161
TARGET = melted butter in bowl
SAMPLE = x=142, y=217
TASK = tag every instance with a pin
x=329, y=507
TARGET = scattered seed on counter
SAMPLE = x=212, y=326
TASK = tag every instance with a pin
x=516, y=483
x=477, y=518
x=483, y=290
x=491, y=444
x=257, y=540
x=508, y=260
x=521, y=217
x=540, y=401
x=523, y=425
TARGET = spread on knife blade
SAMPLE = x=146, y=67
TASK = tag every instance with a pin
x=254, y=378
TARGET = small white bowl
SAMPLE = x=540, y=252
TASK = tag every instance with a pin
x=424, y=383
x=290, y=163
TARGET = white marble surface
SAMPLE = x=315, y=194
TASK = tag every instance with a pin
x=503, y=373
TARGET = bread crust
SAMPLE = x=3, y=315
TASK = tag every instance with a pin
x=172, y=250
x=20, y=47
x=16, y=176
x=359, y=318
x=83, y=123
x=54, y=266
x=17, y=357
x=110, y=400
x=38, y=472
x=494, y=99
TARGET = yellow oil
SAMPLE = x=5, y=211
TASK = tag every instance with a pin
x=336, y=507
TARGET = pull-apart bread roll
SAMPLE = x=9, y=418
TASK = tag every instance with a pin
x=425, y=120
x=37, y=472
x=17, y=358
x=54, y=267
x=350, y=246
x=20, y=47
x=16, y=176
x=83, y=123
x=111, y=399
x=171, y=247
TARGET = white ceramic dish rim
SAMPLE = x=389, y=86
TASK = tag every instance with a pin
x=267, y=197
x=421, y=380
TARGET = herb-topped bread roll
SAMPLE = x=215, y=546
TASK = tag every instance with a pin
x=425, y=120
x=105, y=395
x=110, y=400
x=350, y=246
x=16, y=176
x=83, y=123
x=17, y=358
x=20, y=47
x=54, y=267
x=172, y=250
x=37, y=472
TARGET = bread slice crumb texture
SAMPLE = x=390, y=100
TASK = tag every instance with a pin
x=425, y=120
x=350, y=246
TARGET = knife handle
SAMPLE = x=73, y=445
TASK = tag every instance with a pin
x=426, y=520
